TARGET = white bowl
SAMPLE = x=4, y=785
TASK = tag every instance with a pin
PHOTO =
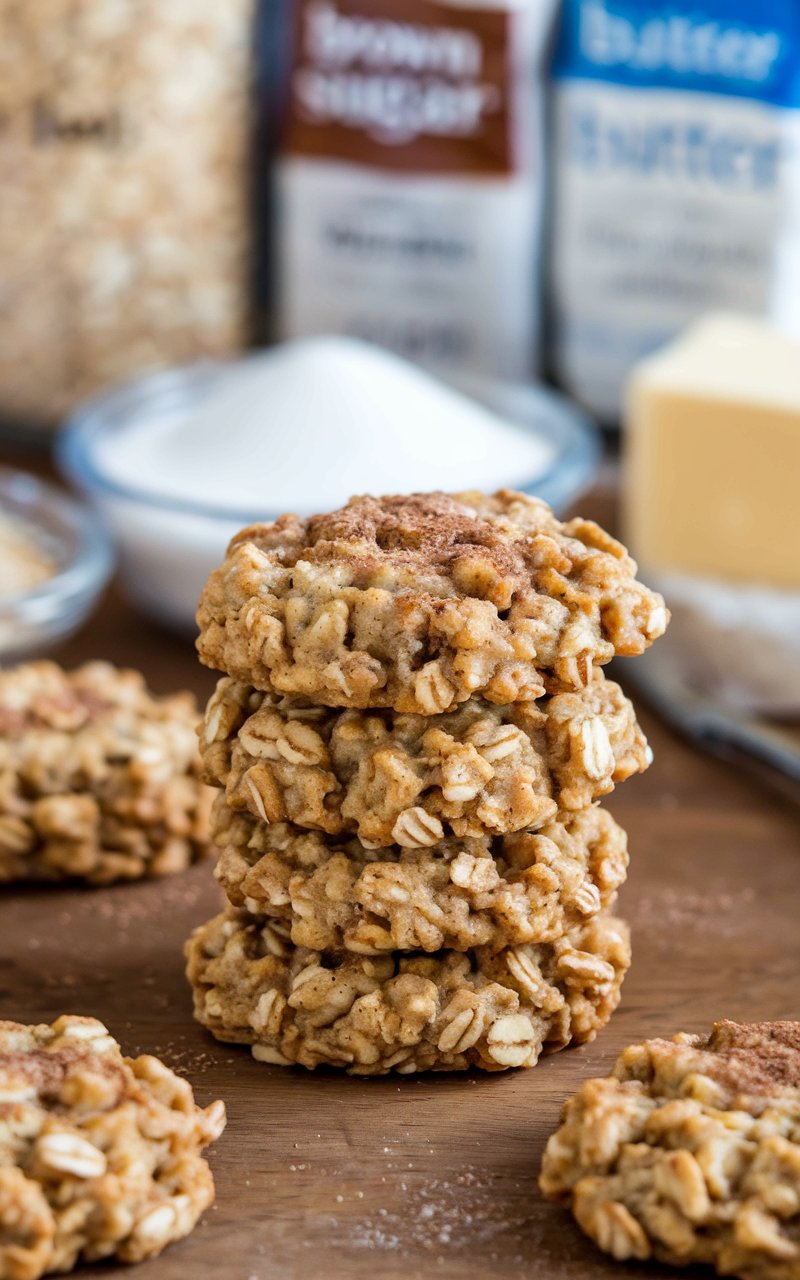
x=168, y=548
x=34, y=620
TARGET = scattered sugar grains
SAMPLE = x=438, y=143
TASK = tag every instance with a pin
x=456, y=1214
x=370, y=421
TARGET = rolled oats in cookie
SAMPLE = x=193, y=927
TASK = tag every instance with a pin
x=690, y=1152
x=407, y=779
x=101, y=1156
x=325, y=893
x=373, y=1014
x=417, y=603
x=99, y=779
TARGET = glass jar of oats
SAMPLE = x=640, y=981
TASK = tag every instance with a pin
x=123, y=168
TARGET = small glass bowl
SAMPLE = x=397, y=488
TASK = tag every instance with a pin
x=168, y=547
x=34, y=620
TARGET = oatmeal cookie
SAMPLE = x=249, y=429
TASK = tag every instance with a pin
x=690, y=1152
x=417, y=603
x=100, y=1155
x=411, y=780
x=406, y=1013
x=99, y=779
x=491, y=892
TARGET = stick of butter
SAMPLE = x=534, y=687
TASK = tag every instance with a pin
x=711, y=480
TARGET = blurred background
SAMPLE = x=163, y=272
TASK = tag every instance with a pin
x=258, y=256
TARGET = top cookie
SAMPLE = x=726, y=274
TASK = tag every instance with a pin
x=418, y=602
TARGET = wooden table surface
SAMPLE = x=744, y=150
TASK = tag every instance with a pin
x=322, y=1177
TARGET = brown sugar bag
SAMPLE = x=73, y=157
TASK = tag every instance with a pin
x=409, y=180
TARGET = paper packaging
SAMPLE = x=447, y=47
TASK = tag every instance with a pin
x=408, y=189
x=676, y=173
x=124, y=209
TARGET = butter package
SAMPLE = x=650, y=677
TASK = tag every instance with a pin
x=709, y=508
x=676, y=172
x=407, y=194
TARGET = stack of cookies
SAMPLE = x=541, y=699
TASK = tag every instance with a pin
x=409, y=740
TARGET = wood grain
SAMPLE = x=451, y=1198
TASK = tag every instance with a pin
x=324, y=1176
